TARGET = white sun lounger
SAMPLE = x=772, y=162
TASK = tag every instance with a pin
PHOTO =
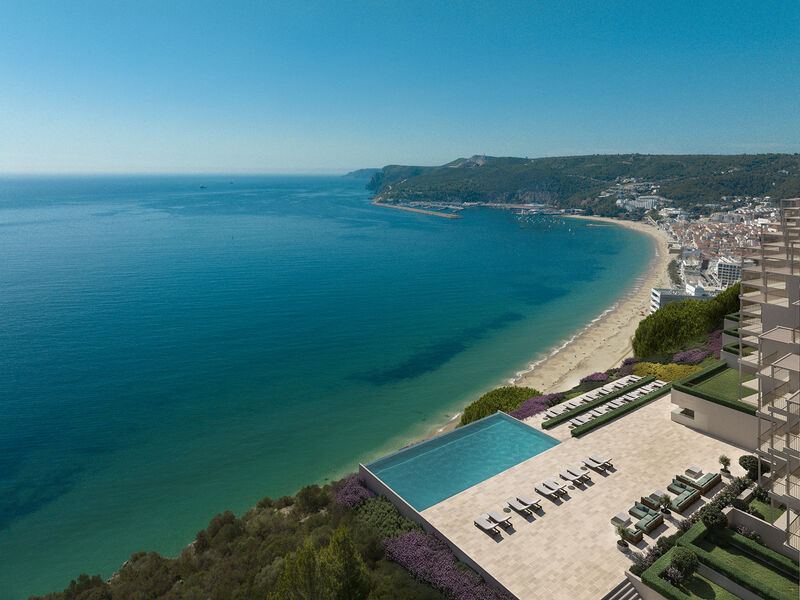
x=486, y=525
x=520, y=506
x=554, y=484
x=532, y=502
x=592, y=464
x=602, y=461
x=567, y=476
x=545, y=491
x=578, y=473
x=500, y=518
x=660, y=383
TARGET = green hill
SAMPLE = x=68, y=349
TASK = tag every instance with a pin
x=575, y=181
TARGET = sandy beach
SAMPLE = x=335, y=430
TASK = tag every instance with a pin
x=607, y=341
x=603, y=343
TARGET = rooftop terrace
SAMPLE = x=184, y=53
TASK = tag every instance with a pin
x=568, y=550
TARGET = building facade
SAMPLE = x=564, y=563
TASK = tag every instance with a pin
x=769, y=333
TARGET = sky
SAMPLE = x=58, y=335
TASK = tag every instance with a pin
x=303, y=87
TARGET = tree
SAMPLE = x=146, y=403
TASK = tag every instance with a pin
x=684, y=560
x=344, y=567
x=725, y=462
x=303, y=578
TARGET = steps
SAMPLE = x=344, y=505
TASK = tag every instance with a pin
x=624, y=590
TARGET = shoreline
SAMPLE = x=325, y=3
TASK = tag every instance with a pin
x=612, y=330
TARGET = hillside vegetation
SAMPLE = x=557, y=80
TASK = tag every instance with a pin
x=575, y=181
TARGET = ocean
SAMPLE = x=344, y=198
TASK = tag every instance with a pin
x=171, y=351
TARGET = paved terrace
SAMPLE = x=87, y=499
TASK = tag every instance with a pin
x=568, y=549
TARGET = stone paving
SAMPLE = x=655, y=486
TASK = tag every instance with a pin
x=568, y=549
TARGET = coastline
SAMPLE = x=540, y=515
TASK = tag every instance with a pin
x=613, y=330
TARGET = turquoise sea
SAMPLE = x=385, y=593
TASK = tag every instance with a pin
x=168, y=351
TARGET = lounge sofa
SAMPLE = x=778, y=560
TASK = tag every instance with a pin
x=649, y=519
x=685, y=495
x=705, y=483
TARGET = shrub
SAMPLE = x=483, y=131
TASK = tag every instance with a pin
x=713, y=517
x=691, y=357
x=385, y=521
x=665, y=543
x=750, y=464
x=430, y=560
x=675, y=325
x=506, y=398
x=350, y=492
x=595, y=378
x=760, y=494
x=535, y=405
x=725, y=462
x=669, y=372
x=714, y=343
x=311, y=499
x=684, y=560
x=673, y=575
x=684, y=525
x=740, y=504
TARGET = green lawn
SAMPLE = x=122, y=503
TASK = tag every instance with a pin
x=724, y=384
x=756, y=569
x=698, y=586
x=764, y=510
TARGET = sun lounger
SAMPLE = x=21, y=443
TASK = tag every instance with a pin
x=616, y=403
x=532, y=502
x=578, y=473
x=567, y=476
x=660, y=383
x=500, y=518
x=603, y=461
x=554, y=484
x=634, y=377
x=593, y=464
x=518, y=505
x=552, y=413
x=597, y=412
x=545, y=491
x=486, y=525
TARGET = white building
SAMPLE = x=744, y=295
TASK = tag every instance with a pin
x=729, y=271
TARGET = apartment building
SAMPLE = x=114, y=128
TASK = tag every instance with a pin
x=769, y=348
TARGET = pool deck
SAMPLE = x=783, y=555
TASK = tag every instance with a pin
x=568, y=550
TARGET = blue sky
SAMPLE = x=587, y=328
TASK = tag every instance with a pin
x=325, y=87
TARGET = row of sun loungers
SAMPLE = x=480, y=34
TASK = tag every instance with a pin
x=593, y=395
x=616, y=403
x=491, y=521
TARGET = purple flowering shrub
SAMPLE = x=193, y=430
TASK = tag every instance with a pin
x=429, y=560
x=714, y=343
x=673, y=575
x=595, y=378
x=535, y=405
x=691, y=357
x=630, y=361
x=351, y=492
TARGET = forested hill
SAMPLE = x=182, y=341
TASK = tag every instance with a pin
x=575, y=181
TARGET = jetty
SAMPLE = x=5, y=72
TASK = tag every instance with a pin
x=419, y=210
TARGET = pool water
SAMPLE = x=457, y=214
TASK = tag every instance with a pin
x=436, y=469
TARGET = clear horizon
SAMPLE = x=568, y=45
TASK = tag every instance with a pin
x=251, y=88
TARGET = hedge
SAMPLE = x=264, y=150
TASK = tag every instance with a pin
x=731, y=332
x=652, y=578
x=733, y=317
x=570, y=414
x=700, y=531
x=732, y=348
x=618, y=412
x=685, y=386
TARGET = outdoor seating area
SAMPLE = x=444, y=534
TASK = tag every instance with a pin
x=595, y=394
x=616, y=403
x=574, y=528
x=551, y=487
x=687, y=488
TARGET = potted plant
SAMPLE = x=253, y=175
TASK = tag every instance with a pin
x=622, y=532
x=665, y=502
x=725, y=462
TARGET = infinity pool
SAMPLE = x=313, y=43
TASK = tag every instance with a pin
x=433, y=470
